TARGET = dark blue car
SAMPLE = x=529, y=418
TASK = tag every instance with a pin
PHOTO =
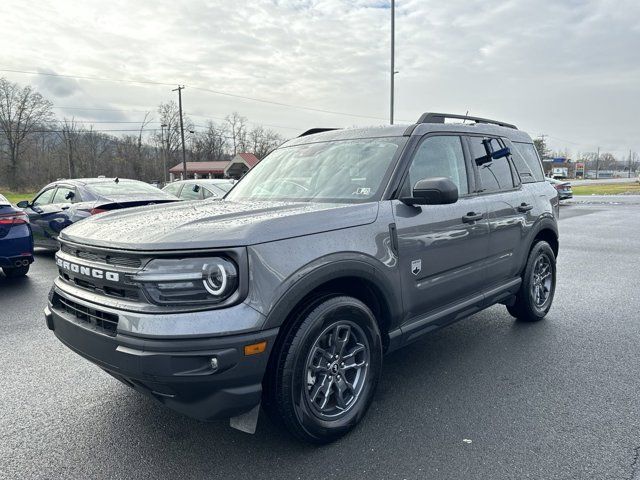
x=64, y=202
x=16, y=241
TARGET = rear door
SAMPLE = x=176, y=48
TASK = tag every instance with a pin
x=441, y=247
x=38, y=211
x=58, y=214
x=509, y=209
x=191, y=191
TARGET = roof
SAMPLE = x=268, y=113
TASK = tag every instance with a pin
x=217, y=166
x=349, y=134
x=416, y=129
x=206, y=181
x=88, y=181
x=249, y=158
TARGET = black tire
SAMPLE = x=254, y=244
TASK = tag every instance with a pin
x=307, y=348
x=530, y=306
x=15, y=272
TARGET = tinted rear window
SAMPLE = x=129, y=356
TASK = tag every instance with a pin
x=496, y=175
x=525, y=158
x=121, y=188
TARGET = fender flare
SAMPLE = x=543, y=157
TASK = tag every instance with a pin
x=547, y=222
x=334, y=267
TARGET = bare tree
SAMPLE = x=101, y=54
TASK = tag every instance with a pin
x=262, y=141
x=238, y=132
x=170, y=116
x=22, y=111
x=70, y=134
x=211, y=144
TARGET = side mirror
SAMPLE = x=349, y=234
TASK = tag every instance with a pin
x=433, y=191
x=23, y=204
x=196, y=188
x=69, y=196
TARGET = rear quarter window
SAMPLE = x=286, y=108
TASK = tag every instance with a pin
x=525, y=158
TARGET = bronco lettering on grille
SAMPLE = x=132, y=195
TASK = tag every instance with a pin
x=88, y=271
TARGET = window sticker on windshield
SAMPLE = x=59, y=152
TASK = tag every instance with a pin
x=363, y=191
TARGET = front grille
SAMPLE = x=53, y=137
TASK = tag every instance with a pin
x=103, y=257
x=130, y=292
x=98, y=320
x=122, y=263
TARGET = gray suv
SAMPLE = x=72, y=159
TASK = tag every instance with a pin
x=340, y=246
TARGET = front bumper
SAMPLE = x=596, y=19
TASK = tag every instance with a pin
x=175, y=371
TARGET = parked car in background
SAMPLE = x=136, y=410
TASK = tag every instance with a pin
x=16, y=241
x=563, y=188
x=64, y=202
x=200, y=189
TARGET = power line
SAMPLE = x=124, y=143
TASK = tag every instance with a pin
x=202, y=89
x=206, y=117
x=62, y=107
x=282, y=104
x=88, y=77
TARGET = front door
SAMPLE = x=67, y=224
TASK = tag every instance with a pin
x=441, y=248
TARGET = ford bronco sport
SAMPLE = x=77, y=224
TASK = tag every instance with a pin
x=340, y=246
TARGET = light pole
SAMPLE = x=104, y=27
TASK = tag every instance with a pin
x=192, y=133
x=184, y=153
x=393, y=57
x=164, y=153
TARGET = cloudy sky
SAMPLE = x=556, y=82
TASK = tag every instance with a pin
x=566, y=68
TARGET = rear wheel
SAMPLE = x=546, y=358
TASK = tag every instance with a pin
x=538, y=287
x=13, y=272
x=327, y=370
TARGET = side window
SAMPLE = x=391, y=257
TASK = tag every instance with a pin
x=529, y=156
x=207, y=193
x=64, y=195
x=495, y=175
x=45, y=198
x=190, y=192
x=440, y=156
x=172, y=188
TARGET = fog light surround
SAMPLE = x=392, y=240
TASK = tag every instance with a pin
x=214, y=364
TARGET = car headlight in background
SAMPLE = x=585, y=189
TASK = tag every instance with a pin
x=194, y=281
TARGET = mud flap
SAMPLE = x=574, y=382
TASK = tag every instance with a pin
x=247, y=422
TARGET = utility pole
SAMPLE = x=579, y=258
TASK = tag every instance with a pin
x=629, y=163
x=393, y=56
x=164, y=152
x=598, y=163
x=184, y=152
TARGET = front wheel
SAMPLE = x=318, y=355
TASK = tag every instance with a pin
x=538, y=287
x=327, y=370
x=15, y=272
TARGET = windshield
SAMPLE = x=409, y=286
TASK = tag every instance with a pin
x=121, y=188
x=337, y=171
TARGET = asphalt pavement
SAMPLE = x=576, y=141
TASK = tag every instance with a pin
x=487, y=398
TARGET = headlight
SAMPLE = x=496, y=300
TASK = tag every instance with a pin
x=194, y=281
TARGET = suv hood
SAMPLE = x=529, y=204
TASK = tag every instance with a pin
x=214, y=224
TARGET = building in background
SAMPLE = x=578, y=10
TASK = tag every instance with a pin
x=234, y=168
x=240, y=164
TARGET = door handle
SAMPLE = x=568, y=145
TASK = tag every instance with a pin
x=472, y=217
x=524, y=207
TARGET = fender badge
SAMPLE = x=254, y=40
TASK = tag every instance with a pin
x=416, y=266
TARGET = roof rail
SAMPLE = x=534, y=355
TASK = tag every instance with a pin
x=316, y=130
x=440, y=117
